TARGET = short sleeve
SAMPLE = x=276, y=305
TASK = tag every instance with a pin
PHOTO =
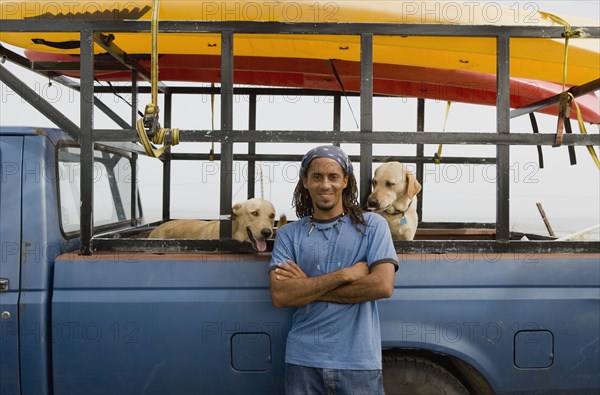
x=282, y=248
x=380, y=247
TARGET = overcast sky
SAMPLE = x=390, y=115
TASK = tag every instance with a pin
x=569, y=194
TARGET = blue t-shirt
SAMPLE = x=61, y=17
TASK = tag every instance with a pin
x=334, y=335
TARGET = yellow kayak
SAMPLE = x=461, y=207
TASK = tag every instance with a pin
x=539, y=59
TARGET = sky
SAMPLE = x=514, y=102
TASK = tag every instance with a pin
x=569, y=194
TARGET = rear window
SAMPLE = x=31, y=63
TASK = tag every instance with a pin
x=111, y=183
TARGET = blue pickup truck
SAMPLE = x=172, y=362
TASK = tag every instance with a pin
x=132, y=322
x=90, y=305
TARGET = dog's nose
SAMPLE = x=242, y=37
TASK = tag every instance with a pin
x=374, y=203
x=266, y=233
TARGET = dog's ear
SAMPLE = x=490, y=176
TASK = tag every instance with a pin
x=282, y=221
x=413, y=185
x=235, y=210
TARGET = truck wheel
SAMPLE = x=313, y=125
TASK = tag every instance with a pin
x=418, y=376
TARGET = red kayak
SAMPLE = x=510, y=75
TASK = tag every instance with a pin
x=394, y=80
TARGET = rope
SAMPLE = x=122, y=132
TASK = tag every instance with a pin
x=567, y=97
x=590, y=148
x=568, y=33
x=437, y=157
x=339, y=80
x=148, y=127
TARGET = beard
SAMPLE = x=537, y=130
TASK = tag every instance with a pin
x=325, y=206
x=328, y=203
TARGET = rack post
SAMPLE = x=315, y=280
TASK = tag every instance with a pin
x=226, y=125
x=366, y=114
x=420, y=154
x=503, y=127
x=252, y=148
x=86, y=167
x=166, y=192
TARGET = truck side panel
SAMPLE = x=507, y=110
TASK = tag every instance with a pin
x=525, y=323
x=199, y=324
x=154, y=324
x=11, y=151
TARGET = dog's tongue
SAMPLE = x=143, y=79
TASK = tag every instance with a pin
x=261, y=245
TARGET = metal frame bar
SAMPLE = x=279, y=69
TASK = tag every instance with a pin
x=226, y=125
x=525, y=249
x=337, y=112
x=421, y=158
x=114, y=187
x=487, y=247
x=134, y=189
x=237, y=90
x=39, y=103
x=87, y=142
x=6, y=54
x=366, y=115
x=503, y=128
x=45, y=72
x=251, y=148
x=165, y=26
x=354, y=158
x=366, y=137
x=166, y=161
x=121, y=56
x=576, y=91
x=377, y=137
x=134, y=98
x=135, y=198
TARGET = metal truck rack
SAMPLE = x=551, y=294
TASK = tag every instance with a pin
x=87, y=135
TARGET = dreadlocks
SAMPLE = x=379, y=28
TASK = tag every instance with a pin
x=304, y=205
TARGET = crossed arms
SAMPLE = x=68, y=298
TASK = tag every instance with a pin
x=290, y=287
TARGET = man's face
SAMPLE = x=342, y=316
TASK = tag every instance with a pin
x=325, y=181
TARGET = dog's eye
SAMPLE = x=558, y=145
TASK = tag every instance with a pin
x=272, y=216
x=254, y=213
x=389, y=184
x=374, y=184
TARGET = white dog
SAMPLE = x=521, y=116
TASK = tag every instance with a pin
x=252, y=221
x=394, y=196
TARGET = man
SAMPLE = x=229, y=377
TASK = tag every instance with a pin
x=333, y=263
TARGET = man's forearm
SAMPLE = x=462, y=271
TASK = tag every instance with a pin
x=358, y=291
x=294, y=292
x=376, y=285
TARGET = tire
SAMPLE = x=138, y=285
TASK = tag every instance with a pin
x=418, y=376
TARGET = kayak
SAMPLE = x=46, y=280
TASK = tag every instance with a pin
x=393, y=80
x=459, y=69
x=538, y=59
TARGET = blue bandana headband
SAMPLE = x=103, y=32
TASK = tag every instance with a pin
x=326, y=151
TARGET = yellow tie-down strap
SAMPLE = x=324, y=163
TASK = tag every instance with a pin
x=151, y=112
x=159, y=136
x=437, y=157
x=570, y=98
x=581, y=124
